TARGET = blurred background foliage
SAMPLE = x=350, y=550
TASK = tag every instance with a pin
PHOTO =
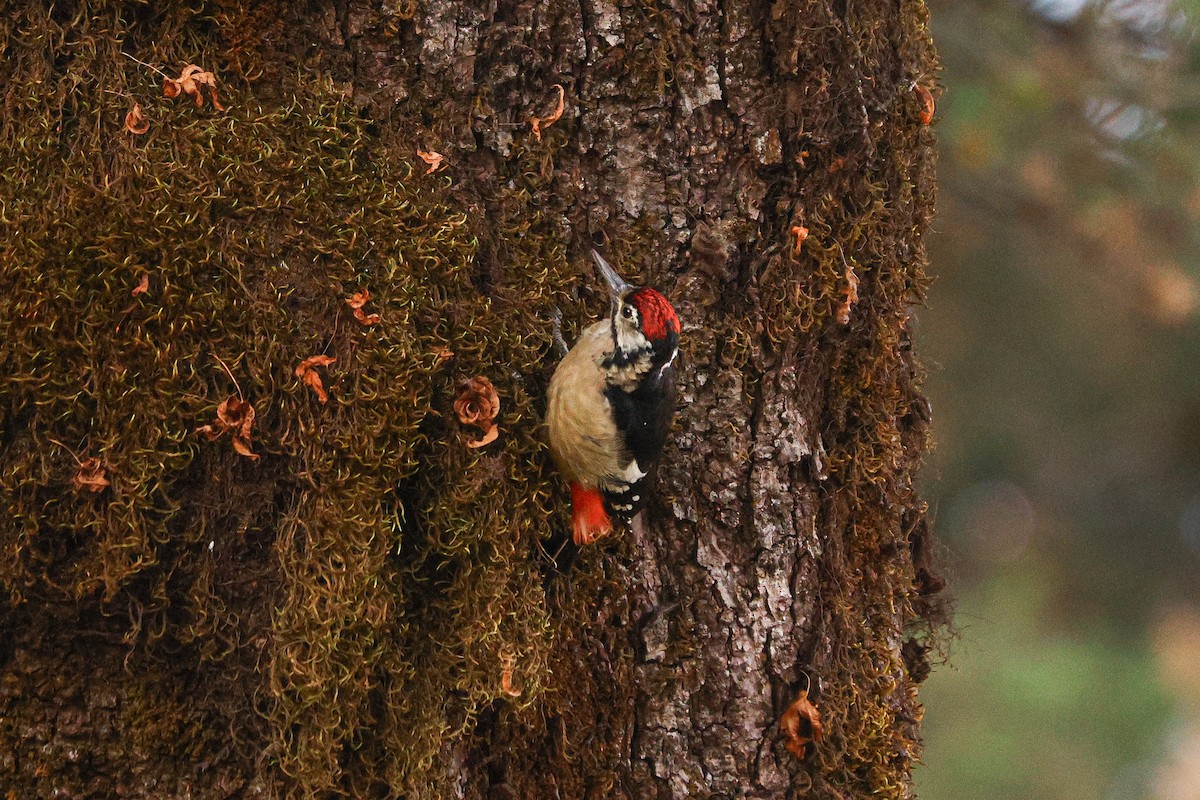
x=1062, y=345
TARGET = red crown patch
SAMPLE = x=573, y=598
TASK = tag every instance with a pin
x=658, y=317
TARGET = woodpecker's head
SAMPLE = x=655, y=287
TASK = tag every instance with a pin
x=644, y=324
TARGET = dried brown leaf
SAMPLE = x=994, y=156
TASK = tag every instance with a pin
x=191, y=81
x=236, y=415
x=849, y=296
x=801, y=233
x=143, y=285
x=801, y=724
x=927, y=105
x=313, y=380
x=243, y=448
x=307, y=373
x=314, y=361
x=91, y=476
x=356, y=302
x=434, y=159
x=477, y=403
x=539, y=124
x=136, y=122
x=489, y=436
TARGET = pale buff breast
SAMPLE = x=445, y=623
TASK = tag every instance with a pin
x=583, y=438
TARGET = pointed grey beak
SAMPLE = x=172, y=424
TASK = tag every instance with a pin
x=617, y=287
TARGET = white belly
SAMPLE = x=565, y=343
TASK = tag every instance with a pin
x=583, y=437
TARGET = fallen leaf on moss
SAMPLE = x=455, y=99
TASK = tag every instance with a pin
x=443, y=353
x=849, y=296
x=357, y=302
x=236, y=415
x=91, y=476
x=539, y=124
x=191, y=81
x=434, y=159
x=927, y=104
x=143, y=285
x=136, y=122
x=308, y=374
x=489, y=436
x=242, y=447
x=478, y=404
x=801, y=724
x=801, y=233
x=506, y=678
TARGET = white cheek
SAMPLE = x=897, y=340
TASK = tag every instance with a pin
x=628, y=339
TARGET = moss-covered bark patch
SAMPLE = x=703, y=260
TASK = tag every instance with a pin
x=391, y=560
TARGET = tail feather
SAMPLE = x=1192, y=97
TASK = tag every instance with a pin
x=589, y=518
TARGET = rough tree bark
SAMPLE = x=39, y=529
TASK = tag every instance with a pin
x=365, y=610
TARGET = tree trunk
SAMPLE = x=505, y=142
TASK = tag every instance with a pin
x=366, y=606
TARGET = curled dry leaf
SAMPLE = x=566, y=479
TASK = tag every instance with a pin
x=357, y=302
x=801, y=724
x=506, y=678
x=359, y=299
x=927, y=104
x=136, y=122
x=539, y=124
x=434, y=159
x=489, y=436
x=190, y=81
x=307, y=373
x=478, y=404
x=235, y=415
x=243, y=448
x=849, y=296
x=91, y=476
x=143, y=285
x=801, y=233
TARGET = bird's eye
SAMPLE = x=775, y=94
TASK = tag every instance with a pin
x=627, y=312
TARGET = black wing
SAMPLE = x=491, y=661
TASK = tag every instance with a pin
x=644, y=417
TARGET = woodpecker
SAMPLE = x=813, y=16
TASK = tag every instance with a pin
x=611, y=401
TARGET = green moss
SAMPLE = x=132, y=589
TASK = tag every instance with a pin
x=395, y=558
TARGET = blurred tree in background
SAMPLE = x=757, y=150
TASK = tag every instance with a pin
x=1062, y=344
